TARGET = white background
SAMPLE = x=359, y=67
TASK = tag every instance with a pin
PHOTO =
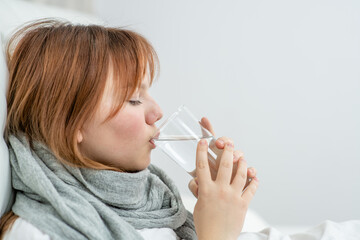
x=280, y=77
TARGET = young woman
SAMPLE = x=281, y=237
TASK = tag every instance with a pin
x=79, y=127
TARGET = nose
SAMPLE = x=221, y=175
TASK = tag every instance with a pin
x=154, y=115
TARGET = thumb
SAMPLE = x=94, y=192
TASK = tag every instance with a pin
x=205, y=123
x=193, y=187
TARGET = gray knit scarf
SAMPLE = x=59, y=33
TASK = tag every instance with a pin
x=77, y=203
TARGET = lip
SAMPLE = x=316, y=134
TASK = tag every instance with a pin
x=156, y=135
x=151, y=141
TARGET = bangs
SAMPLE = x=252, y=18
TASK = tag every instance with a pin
x=131, y=58
x=58, y=76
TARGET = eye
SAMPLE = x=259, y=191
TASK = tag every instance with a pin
x=135, y=102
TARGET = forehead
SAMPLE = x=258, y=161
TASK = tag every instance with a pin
x=112, y=87
x=145, y=83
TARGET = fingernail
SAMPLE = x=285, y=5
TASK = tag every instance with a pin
x=221, y=142
x=203, y=142
x=229, y=145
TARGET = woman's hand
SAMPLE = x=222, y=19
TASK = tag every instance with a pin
x=217, y=147
x=222, y=204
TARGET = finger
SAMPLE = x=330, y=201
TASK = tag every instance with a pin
x=241, y=174
x=202, y=164
x=206, y=124
x=219, y=144
x=251, y=172
x=217, y=147
x=214, y=148
x=214, y=145
x=226, y=164
x=213, y=167
x=250, y=191
x=193, y=187
x=237, y=155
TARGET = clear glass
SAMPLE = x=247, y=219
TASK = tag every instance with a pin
x=178, y=136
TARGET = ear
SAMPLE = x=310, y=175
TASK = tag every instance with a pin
x=79, y=136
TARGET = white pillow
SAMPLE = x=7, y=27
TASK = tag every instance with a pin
x=5, y=187
x=14, y=13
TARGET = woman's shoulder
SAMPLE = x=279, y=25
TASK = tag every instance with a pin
x=23, y=230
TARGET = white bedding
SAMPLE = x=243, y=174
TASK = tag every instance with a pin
x=256, y=228
x=328, y=230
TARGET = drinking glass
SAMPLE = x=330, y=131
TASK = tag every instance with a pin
x=178, y=136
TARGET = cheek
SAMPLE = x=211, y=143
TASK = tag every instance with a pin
x=129, y=128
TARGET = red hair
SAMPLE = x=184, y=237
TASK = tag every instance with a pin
x=58, y=73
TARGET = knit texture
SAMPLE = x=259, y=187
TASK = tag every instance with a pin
x=79, y=203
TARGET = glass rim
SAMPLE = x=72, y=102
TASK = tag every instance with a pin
x=175, y=114
x=171, y=117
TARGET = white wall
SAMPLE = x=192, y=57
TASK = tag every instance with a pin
x=282, y=78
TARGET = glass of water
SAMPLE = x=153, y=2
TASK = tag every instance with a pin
x=178, y=136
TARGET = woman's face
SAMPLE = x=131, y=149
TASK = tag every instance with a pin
x=124, y=140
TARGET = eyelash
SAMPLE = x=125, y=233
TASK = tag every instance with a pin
x=135, y=102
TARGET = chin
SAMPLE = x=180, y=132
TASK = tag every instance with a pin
x=143, y=165
x=147, y=163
